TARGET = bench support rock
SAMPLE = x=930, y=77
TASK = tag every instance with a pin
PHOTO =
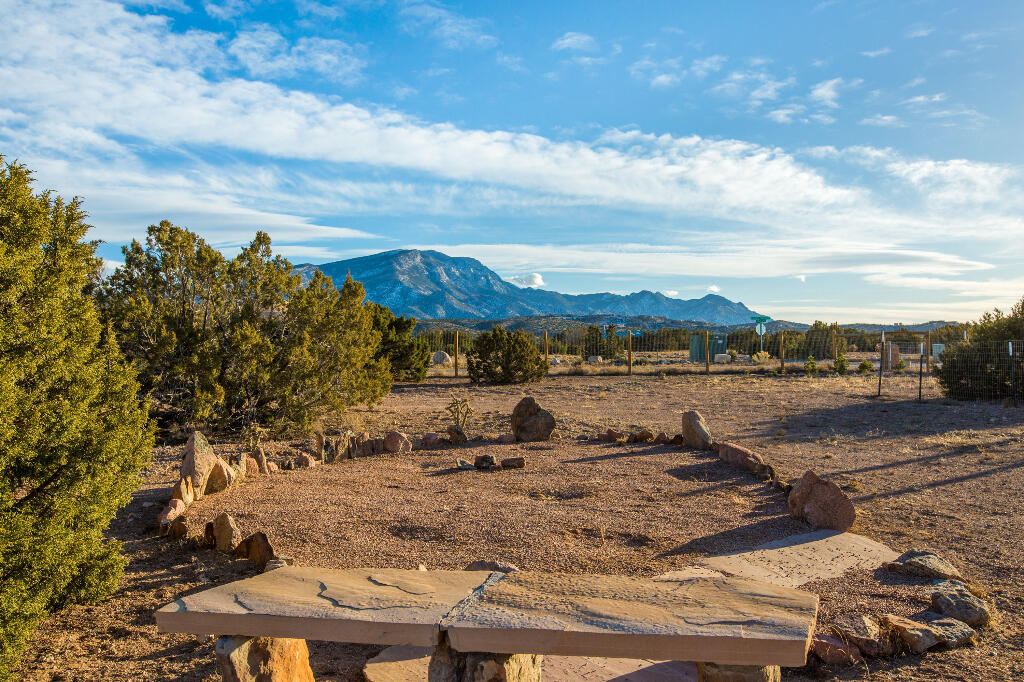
x=263, y=659
x=711, y=672
x=449, y=665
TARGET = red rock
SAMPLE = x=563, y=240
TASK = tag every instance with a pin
x=256, y=548
x=513, y=463
x=644, y=436
x=431, y=440
x=397, y=442
x=305, y=460
x=613, y=436
x=834, y=651
x=662, y=438
x=740, y=457
x=821, y=503
x=530, y=422
x=173, y=510
x=252, y=467
x=272, y=467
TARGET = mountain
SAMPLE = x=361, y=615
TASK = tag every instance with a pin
x=430, y=284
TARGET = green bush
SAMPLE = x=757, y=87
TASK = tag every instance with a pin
x=811, y=367
x=73, y=435
x=900, y=367
x=500, y=357
x=232, y=342
x=407, y=355
x=841, y=365
x=982, y=368
x=865, y=367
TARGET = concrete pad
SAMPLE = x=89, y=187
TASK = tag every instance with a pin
x=366, y=606
x=727, y=620
x=410, y=663
x=800, y=559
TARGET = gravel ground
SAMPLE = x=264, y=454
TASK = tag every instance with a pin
x=932, y=474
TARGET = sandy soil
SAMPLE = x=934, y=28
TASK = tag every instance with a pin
x=931, y=474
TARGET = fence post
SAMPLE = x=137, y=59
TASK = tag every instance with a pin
x=547, y=363
x=707, y=352
x=835, y=349
x=920, y=377
x=881, y=364
x=629, y=351
x=1013, y=377
x=782, y=352
x=456, y=352
x=928, y=349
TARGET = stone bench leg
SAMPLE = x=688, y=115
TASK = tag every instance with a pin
x=448, y=665
x=712, y=672
x=263, y=659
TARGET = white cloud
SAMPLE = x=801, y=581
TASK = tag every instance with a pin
x=802, y=278
x=925, y=99
x=571, y=40
x=532, y=280
x=227, y=9
x=713, y=289
x=876, y=53
x=826, y=93
x=913, y=83
x=265, y=53
x=510, y=62
x=786, y=113
x=658, y=74
x=919, y=31
x=702, y=67
x=883, y=121
x=452, y=30
x=671, y=293
x=754, y=86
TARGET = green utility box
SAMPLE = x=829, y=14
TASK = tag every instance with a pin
x=716, y=344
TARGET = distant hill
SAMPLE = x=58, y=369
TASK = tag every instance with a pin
x=554, y=323
x=922, y=327
x=432, y=285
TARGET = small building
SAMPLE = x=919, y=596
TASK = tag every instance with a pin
x=717, y=343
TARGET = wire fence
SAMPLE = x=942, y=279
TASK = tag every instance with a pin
x=964, y=370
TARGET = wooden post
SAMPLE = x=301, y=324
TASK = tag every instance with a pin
x=835, y=348
x=629, y=352
x=928, y=350
x=546, y=362
x=881, y=364
x=782, y=351
x=707, y=352
x=456, y=352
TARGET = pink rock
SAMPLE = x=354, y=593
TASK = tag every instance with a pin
x=396, y=442
x=821, y=503
x=740, y=457
x=431, y=440
x=272, y=467
x=173, y=510
x=252, y=467
x=305, y=460
x=662, y=438
x=833, y=651
x=506, y=438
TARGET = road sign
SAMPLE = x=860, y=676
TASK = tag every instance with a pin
x=760, y=328
x=760, y=318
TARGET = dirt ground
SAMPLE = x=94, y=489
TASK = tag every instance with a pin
x=935, y=474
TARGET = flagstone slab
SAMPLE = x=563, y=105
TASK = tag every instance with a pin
x=366, y=606
x=804, y=558
x=727, y=620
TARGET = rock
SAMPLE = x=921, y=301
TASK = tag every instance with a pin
x=221, y=476
x=263, y=659
x=863, y=632
x=178, y=528
x=252, y=467
x=695, y=431
x=951, y=632
x=484, y=565
x=198, y=462
x=644, y=436
x=834, y=651
x=530, y=422
x=431, y=440
x=225, y=533
x=722, y=358
x=456, y=436
x=275, y=563
x=272, y=467
x=594, y=359
x=463, y=464
x=396, y=442
x=448, y=665
x=821, y=503
x=954, y=599
x=662, y=438
x=741, y=458
x=554, y=362
x=506, y=438
x=305, y=461
x=261, y=459
x=441, y=358
x=344, y=446
x=377, y=446
x=183, y=491
x=924, y=563
x=256, y=548
x=238, y=470
x=513, y=463
x=613, y=436
x=209, y=537
x=917, y=637
x=484, y=462
x=678, y=440
x=712, y=672
x=173, y=510
x=362, y=444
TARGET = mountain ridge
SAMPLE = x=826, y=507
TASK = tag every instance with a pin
x=432, y=285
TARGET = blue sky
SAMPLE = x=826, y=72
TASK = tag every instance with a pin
x=841, y=160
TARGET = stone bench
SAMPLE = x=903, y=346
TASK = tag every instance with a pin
x=487, y=625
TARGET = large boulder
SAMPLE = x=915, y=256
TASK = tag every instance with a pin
x=821, y=503
x=696, y=434
x=440, y=358
x=263, y=659
x=833, y=651
x=396, y=442
x=530, y=422
x=173, y=510
x=221, y=476
x=252, y=467
x=226, y=535
x=256, y=548
x=740, y=457
x=261, y=460
x=916, y=637
x=198, y=462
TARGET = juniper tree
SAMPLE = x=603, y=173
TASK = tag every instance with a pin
x=501, y=357
x=407, y=355
x=73, y=435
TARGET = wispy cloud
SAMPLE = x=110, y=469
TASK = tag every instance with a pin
x=708, y=65
x=533, y=280
x=452, y=30
x=919, y=31
x=925, y=99
x=876, y=53
x=713, y=289
x=265, y=53
x=826, y=93
x=883, y=121
x=571, y=40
